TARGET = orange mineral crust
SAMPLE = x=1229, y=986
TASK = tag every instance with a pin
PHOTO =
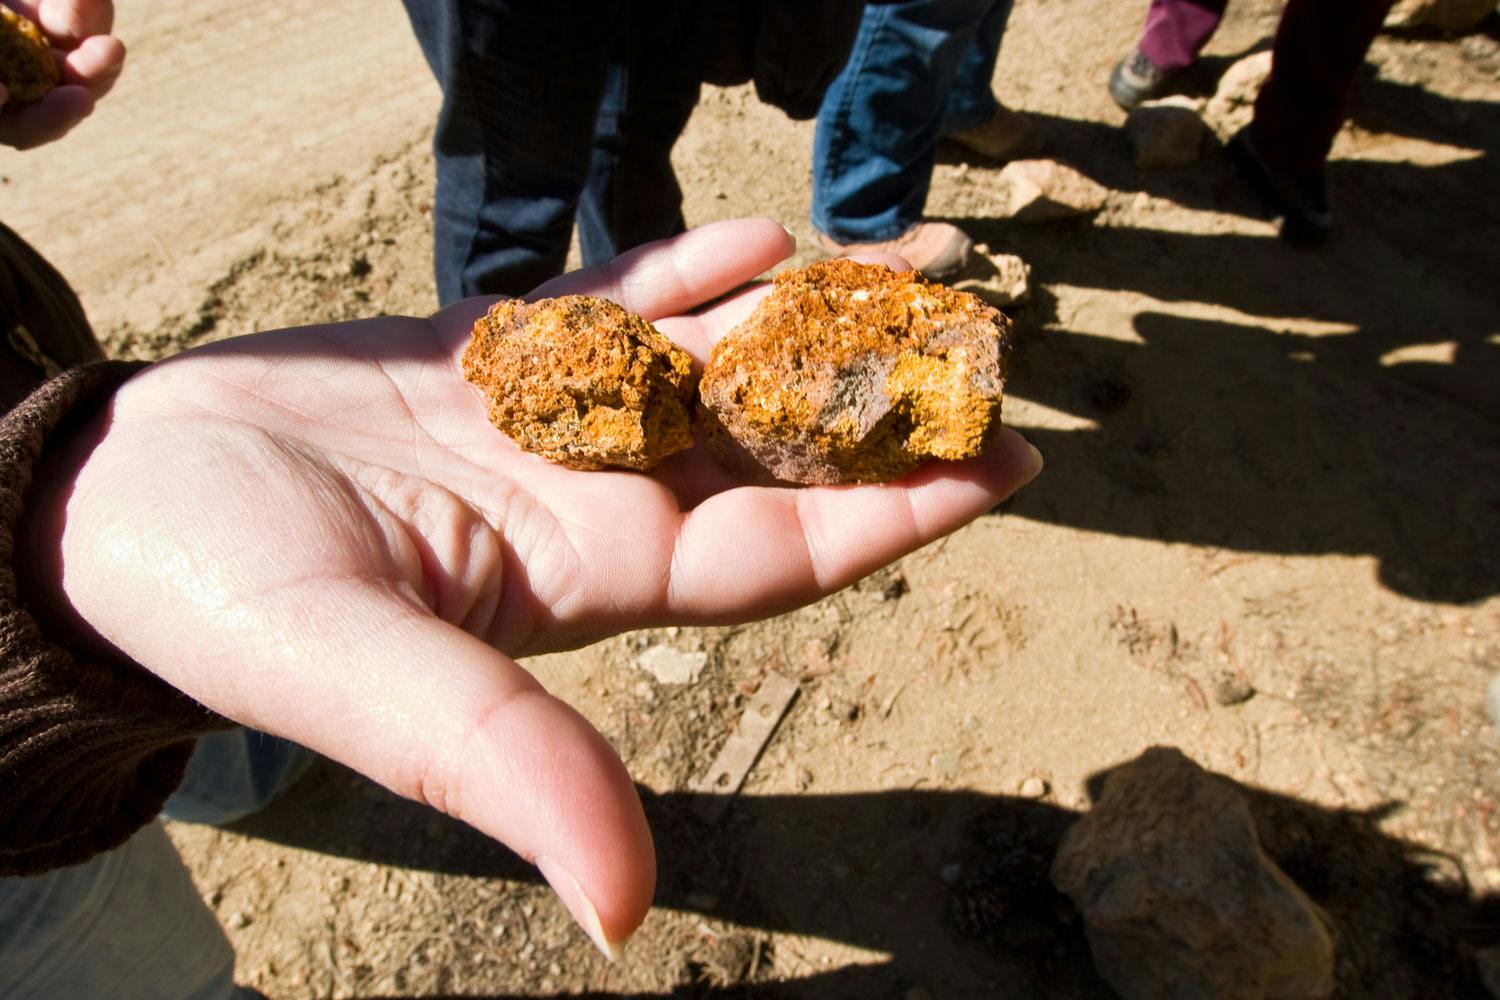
x=582, y=382
x=852, y=372
x=27, y=68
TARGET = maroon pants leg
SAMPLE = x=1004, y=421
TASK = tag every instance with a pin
x=1320, y=46
x=1177, y=30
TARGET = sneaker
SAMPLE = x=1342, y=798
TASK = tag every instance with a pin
x=1009, y=135
x=1298, y=204
x=939, y=250
x=1135, y=79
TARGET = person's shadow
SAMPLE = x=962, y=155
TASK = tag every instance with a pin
x=1220, y=419
x=953, y=886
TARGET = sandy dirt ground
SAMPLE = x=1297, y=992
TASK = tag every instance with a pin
x=1267, y=469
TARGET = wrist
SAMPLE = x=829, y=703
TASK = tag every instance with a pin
x=60, y=436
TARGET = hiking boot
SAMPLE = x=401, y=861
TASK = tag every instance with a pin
x=1135, y=79
x=1298, y=204
x=1008, y=135
x=938, y=249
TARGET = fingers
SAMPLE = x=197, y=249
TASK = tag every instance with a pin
x=680, y=274
x=698, y=334
x=790, y=547
x=659, y=280
x=68, y=22
x=25, y=126
x=95, y=64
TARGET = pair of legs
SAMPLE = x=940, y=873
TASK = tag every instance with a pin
x=919, y=70
x=129, y=924
x=1319, y=48
x=553, y=111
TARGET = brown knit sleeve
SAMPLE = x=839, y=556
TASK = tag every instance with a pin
x=89, y=751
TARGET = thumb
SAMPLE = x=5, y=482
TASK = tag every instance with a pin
x=370, y=677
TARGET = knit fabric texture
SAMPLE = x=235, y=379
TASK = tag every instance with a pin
x=89, y=750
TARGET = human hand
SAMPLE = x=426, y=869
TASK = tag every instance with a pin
x=317, y=533
x=89, y=58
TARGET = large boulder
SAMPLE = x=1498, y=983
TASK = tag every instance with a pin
x=1179, y=900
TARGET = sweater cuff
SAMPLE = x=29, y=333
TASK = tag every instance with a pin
x=89, y=749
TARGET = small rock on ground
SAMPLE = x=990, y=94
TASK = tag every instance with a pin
x=1451, y=16
x=1233, y=102
x=1167, y=133
x=670, y=665
x=1043, y=190
x=1033, y=788
x=1008, y=285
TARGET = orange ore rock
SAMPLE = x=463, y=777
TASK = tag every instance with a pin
x=853, y=373
x=27, y=68
x=582, y=382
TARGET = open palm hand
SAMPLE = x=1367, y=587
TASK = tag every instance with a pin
x=317, y=533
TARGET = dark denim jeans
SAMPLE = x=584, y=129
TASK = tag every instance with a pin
x=918, y=70
x=552, y=110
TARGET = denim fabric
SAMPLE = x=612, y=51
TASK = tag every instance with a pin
x=553, y=110
x=129, y=924
x=918, y=70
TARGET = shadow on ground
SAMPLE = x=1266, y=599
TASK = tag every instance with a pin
x=1376, y=435
x=869, y=870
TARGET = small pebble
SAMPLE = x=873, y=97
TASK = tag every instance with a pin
x=1033, y=788
x=1232, y=689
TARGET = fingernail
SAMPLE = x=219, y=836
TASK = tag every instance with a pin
x=1036, y=461
x=789, y=235
x=584, y=914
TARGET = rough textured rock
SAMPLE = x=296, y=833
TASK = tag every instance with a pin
x=1178, y=898
x=851, y=372
x=1451, y=16
x=1167, y=133
x=1233, y=102
x=582, y=382
x=27, y=68
x=1043, y=190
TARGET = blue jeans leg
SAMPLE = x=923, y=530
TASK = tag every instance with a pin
x=553, y=110
x=879, y=124
x=632, y=195
x=522, y=83
x=129, y=924
x=972, y=102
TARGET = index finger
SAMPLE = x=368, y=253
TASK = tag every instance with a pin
x=67, y=22
x=655, y=280
x=679, y=274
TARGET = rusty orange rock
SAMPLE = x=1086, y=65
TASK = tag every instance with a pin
x=582, y=382
x=851, y=372
x=27, y=67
